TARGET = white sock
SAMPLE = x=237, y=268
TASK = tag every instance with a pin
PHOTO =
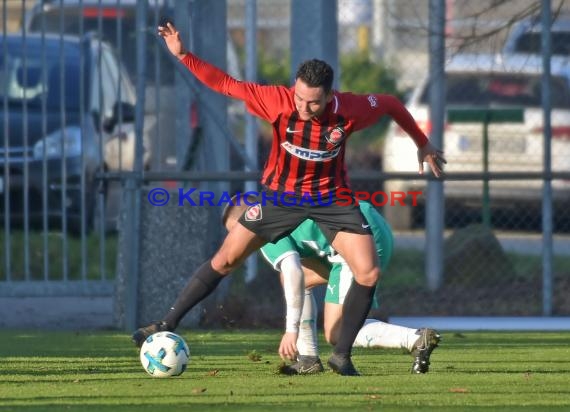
x=375, y=334
x=307, y=340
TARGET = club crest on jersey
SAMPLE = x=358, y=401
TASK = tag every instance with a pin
x=335, y=136
x=253, y=213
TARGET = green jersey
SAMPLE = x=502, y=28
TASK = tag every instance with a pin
x=308, y=241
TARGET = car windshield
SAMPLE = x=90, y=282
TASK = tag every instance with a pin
x=28, y=75
x=110, y=22
x=486, y=89
x=531, y=43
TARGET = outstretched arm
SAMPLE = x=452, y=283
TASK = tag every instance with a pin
x=265, y=102
x=426, y=151
x=370, y=108
x=207, y=73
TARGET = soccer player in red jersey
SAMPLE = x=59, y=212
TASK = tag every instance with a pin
x=311, y=125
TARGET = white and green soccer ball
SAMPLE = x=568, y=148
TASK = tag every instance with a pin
x=164, y=354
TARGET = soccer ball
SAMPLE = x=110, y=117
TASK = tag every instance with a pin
x=164, y=354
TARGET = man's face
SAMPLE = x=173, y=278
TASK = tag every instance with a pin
x=310, y=101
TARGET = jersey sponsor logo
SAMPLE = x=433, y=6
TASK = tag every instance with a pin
x=335, y=136
x=310, y=154
x=253, y=213
x=372, y=100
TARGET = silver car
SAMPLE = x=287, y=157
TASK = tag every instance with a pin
x=526, y=36
x=476, y=84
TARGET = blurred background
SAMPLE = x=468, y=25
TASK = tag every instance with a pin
x=96, y=115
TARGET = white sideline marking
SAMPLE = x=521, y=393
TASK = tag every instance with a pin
x=484, y=323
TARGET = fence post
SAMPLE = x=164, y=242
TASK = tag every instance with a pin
x=547, y=226
x=132, y=196
x=314, y=30
x=486, y=199
x=435, y=202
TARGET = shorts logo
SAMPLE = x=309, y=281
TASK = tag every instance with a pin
x=253, y=213
x=335, y=136
x=372, y=100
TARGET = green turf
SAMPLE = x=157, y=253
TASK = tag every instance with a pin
x=100, y=371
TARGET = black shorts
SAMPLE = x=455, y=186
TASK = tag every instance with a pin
x=273, y=220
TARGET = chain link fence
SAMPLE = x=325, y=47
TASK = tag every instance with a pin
x=492, y=257
x=492, y=262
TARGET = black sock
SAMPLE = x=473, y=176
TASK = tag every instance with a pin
x=203, y=282
x=355, y=309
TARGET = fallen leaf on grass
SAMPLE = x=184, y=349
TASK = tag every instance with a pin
x=527, y=375
x=213, y=372
x=254, y=356
x=199, y=390
x=459, y=390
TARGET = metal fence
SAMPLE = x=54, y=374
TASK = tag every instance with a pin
x=64, y=177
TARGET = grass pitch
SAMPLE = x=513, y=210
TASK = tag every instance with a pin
x=236, y=370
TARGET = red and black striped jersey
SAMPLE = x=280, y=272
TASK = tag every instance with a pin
x=306, y=157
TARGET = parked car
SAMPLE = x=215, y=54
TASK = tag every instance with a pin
x=526, y=36
x=78, y=17
x=482, y=82
x=66, y=101
x=116, y=21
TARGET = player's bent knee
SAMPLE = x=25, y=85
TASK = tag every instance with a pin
x=369, y=278
x=224, y=264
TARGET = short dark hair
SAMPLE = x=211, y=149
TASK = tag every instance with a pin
x=316, y=73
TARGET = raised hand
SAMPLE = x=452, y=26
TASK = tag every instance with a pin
x=172, y=39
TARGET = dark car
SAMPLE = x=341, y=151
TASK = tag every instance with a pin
x=67, y=107
x=115, y=21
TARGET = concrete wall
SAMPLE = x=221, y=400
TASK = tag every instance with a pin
x=173, y=241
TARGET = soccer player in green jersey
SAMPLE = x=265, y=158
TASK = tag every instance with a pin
x=306, y=259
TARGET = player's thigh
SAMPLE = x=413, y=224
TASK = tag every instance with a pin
x=238, y=244
x=316, y=271
x=272, y=221
x=332, y=317
x=359, y=252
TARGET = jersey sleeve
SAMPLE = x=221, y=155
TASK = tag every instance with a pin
x=266, y=102
x=368, y=109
